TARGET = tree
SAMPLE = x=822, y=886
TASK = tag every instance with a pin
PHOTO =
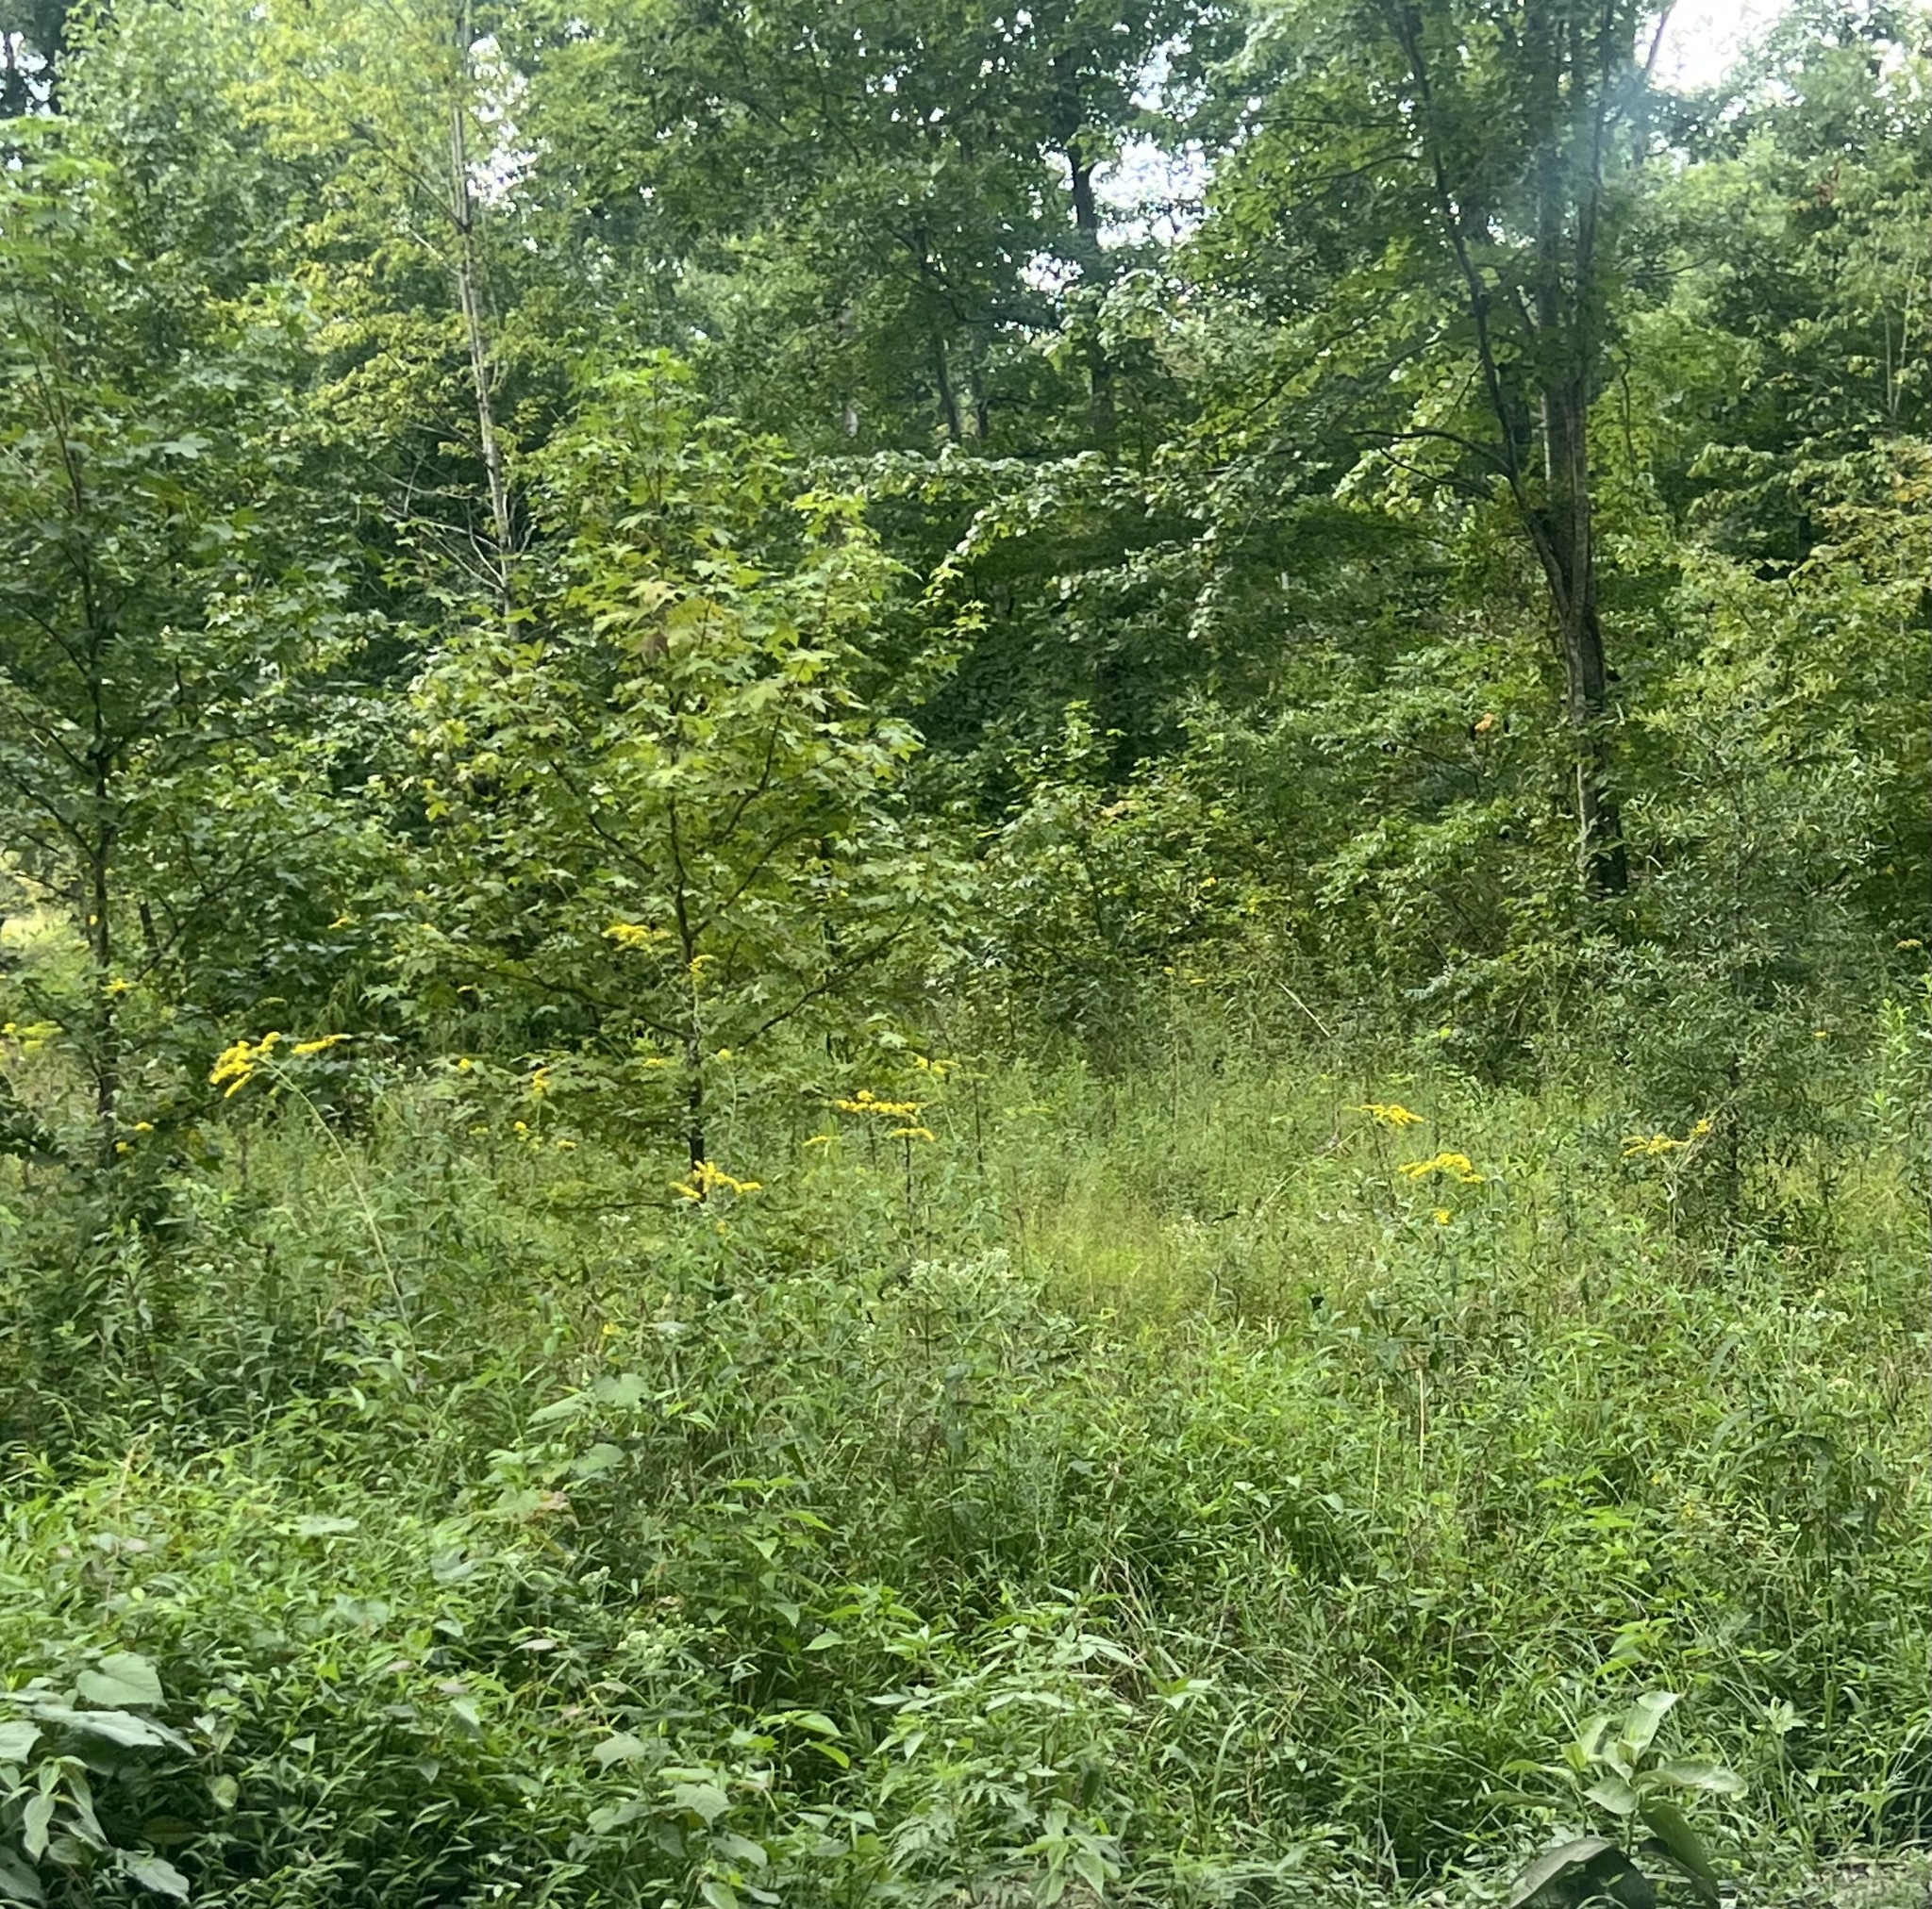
x=1438, y=197
x=666, y=812
x=166, y=586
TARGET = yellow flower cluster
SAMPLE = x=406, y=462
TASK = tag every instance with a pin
x=1457, y=1165
x=1649, y=1146
x=1390, y=1115
x=866, y=1101
x=636, y=937
x=235, y=1066
x=707, y=1179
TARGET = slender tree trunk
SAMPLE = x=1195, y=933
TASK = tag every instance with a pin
x=1561, y=525
x=463, y=209
x=100, y=949
x=1100, y=403
x=948, y=393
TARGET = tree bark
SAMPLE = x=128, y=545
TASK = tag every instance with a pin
x=462, y=208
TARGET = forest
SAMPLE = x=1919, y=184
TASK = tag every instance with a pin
x=960, y=952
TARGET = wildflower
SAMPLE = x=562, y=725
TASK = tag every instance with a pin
x=1648, y=1146
x=539, y=1082
x=706, y=1179
x=1653, y=1146
x=119, y=986
x=1391, y=1115
x=913, y=1134
x=866, y=1101
x=235, y=1065
x=1459, y=1166
x=343, y=921
x=1442, y=1216
x=820, y=1139
x=321, y=1045
x=635, y=937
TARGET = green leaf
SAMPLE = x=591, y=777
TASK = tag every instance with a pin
x=1614, y=1794
x=223, y=1791
x=619, y=1749
x=34, y=1821
x=1574, y=1871
x=1642, y=1719
x=116, y=1726
x=156, y=1873
x=326, y=1527
x=18, y=1883
x=122, y=1679
x=17, y=1739
x=718, y=1894
x=704, y=1800
x=1682, y=1843
x=1700, y=1773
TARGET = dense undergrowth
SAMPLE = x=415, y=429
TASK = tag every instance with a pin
x=1151, y=1485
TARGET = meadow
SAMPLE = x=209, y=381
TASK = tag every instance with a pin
x=1225, y=1481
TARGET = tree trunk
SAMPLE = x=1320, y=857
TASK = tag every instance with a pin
x=462, y=210
x=1100, y=404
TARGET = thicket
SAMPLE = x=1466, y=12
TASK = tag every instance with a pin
x=958, y=955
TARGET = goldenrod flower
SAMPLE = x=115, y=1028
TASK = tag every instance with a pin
x=706, y=1179
x=866, y=1101
x=1390, y=1116
x=913, y=1134
x=1652, y=1146
x=321, y=1045
x=636, y=937
x=1459, y=1166
x=1442, y=1216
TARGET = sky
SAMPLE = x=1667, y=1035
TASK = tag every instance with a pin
x=1704, y=35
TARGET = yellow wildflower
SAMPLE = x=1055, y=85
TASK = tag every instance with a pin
x=1442, y=1216
x=236, y=1065
x=635, y=936
x=822, y=1139
x=1390, y=1115
x=1459, y=1166
x=707, y=1179
x=913, y=1134
x=1652, y=1146
x=322, y=1045
x=866, y=1101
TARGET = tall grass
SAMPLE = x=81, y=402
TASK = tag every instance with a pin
x=1141, y=1487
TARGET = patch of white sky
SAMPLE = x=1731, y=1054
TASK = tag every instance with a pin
x=1153, y=194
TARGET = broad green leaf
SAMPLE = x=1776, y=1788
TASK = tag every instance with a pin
x=1614, y=1794
x=1700, y=1773
x=116, y=1726
x=156, y=1873
x=1640, y=1722
x=34, y=1821
x=18, y=1883
x=17, y=1739
x=1684, y=1847
x=704, y=1800
x=120, y=1679
x=619, y=1749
